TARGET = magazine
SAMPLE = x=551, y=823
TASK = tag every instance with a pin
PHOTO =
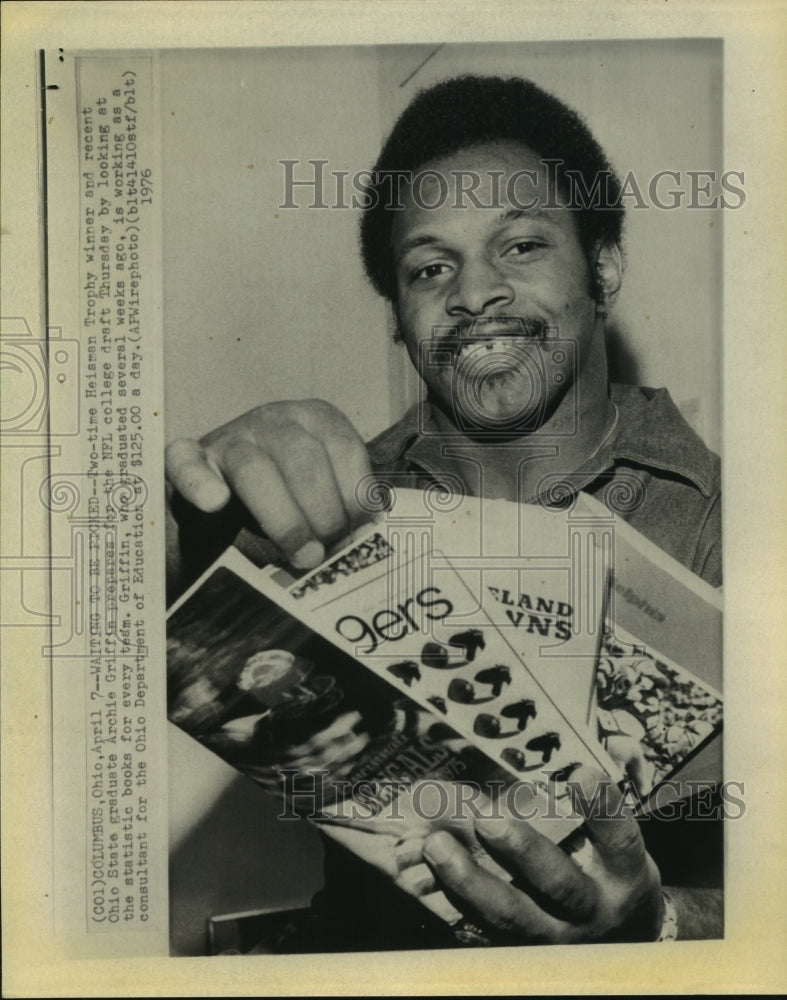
x=369, y=690
x=367, y=716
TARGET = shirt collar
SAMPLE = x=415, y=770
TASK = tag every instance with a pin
x=394, y=443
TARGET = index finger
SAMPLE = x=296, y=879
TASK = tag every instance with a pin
x=347, y=454
x=542, y=869
x=494, y=900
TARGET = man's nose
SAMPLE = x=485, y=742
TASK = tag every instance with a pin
x=478, y=288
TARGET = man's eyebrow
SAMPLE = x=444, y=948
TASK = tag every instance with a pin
x=412, y=242
x=527, y=214
x=512, y=215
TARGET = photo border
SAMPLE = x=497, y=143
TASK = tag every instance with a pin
x=751, y=957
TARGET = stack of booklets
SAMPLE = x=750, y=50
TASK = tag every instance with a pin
x=459, y=652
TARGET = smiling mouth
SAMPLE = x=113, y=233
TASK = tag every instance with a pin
x=500, y=334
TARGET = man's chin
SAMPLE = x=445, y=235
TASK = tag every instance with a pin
x=503, y=401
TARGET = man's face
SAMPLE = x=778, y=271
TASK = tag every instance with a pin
x=485, y=294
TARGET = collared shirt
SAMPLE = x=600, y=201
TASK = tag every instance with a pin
x=652, y=469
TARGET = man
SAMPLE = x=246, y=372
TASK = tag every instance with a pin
x=493, y=226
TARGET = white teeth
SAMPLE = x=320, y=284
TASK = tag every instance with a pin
x=498, y=344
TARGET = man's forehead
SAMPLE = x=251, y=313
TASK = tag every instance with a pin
x=501, y=177
x=479, y=189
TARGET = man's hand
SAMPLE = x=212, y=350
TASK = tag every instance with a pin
x=294, y=466
x=615, y=894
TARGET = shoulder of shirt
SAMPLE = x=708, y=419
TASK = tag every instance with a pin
x=653, y=433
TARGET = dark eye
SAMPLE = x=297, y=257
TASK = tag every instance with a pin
x=523, y=247
x=429, y=271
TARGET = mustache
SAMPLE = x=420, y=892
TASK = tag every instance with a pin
x=480, y=328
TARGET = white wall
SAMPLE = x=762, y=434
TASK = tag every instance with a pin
x=263, y=303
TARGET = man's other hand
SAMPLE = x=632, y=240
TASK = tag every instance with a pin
x=294, y=466
x=613, y=895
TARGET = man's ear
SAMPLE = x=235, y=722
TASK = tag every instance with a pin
x=608, y=276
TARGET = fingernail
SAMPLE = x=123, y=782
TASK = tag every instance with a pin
x=496, y=828
x=439, y=847
x=210, y=494
x=418, y=880
x=309, y=555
